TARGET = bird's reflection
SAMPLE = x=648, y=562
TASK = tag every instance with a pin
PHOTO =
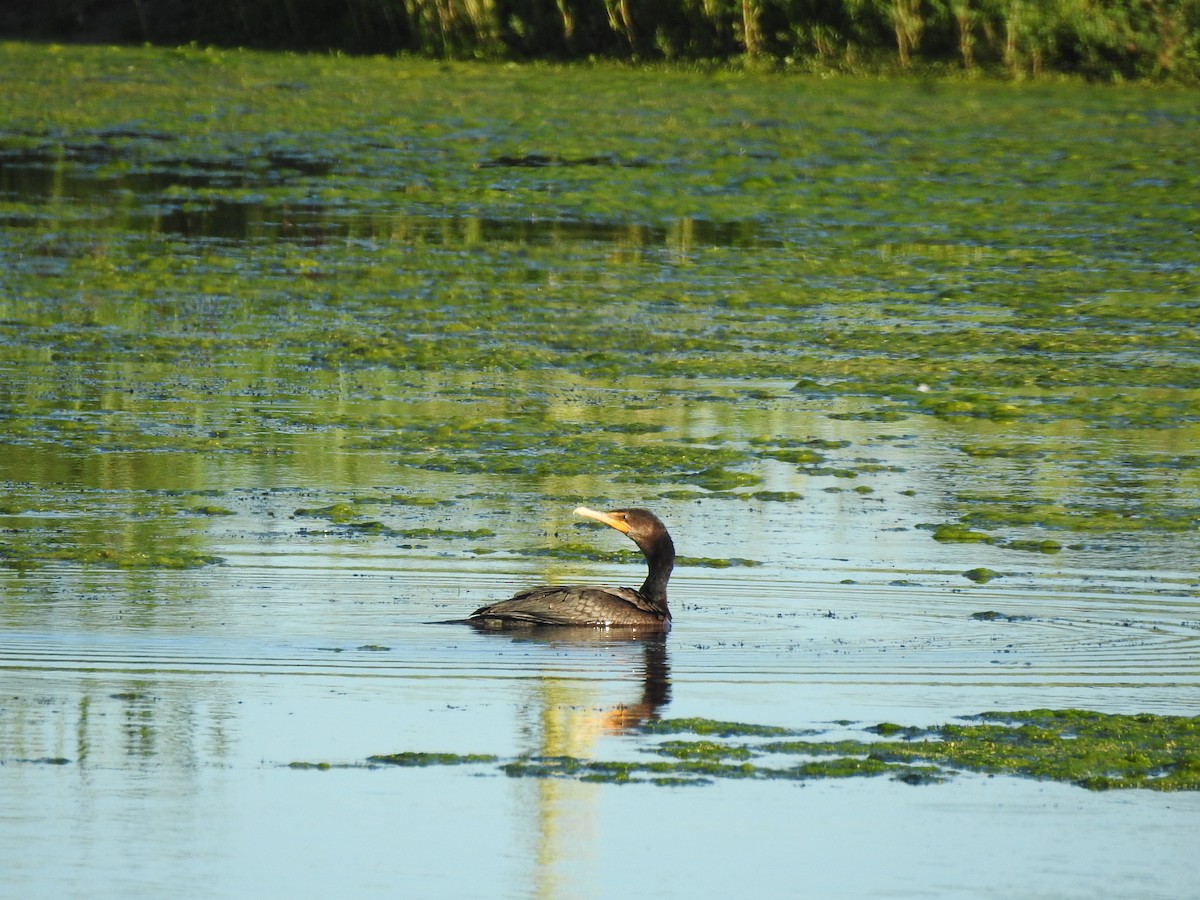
x=561, y=815
x=653, y=672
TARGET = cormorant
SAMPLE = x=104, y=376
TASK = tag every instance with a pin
x=601, y=607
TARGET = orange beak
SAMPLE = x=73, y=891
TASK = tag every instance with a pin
x=607, y=518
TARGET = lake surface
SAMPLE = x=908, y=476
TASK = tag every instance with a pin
x=301, y=358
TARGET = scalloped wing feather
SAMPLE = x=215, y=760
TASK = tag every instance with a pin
x=575, y=604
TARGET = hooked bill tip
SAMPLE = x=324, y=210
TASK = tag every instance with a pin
x=608, y=519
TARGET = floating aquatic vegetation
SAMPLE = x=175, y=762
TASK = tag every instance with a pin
x=950, y=532
x=469, y=289
x=432, y=759
x=980, y=574
x=1094, y=750
x=569, y=550
x=701, y=726
x=1098, y=751
x=1091, y=517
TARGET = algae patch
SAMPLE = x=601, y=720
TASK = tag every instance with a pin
x=431, y=759
x=1094, y=750
x=701, y=726
x=980, y=574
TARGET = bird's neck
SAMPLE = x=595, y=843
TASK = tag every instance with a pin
x=661, y=560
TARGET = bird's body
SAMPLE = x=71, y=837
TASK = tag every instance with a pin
x=601, y=607
x=573, y=604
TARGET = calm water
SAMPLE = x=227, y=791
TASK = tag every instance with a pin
x=213, y=377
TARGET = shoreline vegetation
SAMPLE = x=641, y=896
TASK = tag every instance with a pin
x=1104, y=40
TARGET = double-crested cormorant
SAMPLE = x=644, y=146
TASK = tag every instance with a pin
x=603, y=607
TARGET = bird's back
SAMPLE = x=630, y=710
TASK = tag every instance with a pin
x=574, y=604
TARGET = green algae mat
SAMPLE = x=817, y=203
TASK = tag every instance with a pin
x=1094, y=750
x=274, y=260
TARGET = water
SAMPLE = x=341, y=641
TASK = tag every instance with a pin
x=377, y=410
x=179, y=732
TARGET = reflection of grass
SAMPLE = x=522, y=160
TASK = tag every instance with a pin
x=539, y=446
x=24, y=555
x=1098, y=751
x=130, y=531
x=353, y=518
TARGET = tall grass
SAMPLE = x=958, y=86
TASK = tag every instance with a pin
x=1098, y=38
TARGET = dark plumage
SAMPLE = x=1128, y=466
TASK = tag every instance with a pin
x=602, y=607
